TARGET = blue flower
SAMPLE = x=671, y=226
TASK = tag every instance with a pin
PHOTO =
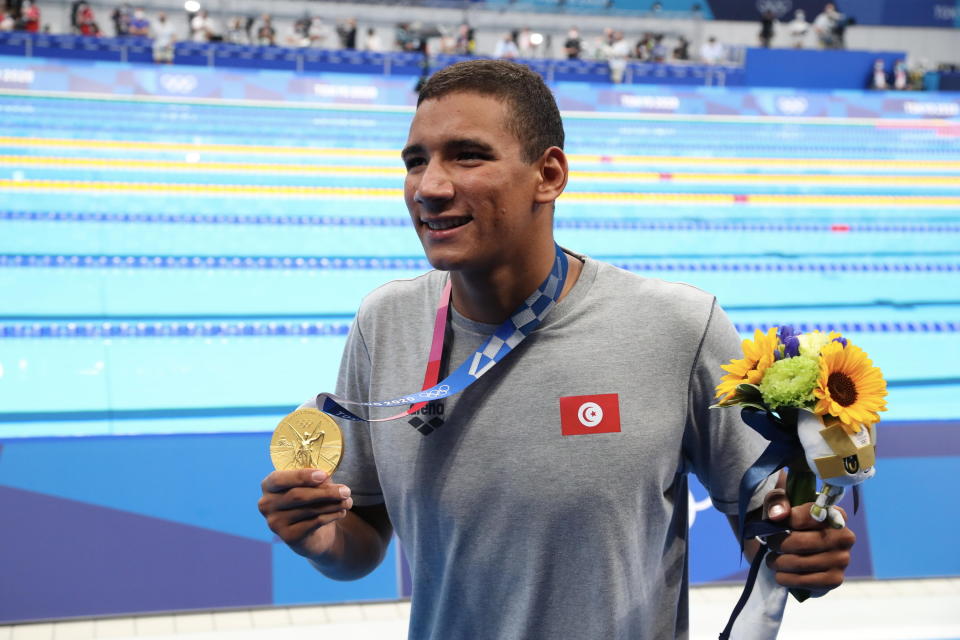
x=790, y=341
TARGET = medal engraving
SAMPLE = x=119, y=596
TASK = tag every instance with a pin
x=307, y=439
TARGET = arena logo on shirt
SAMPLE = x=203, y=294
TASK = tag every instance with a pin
x=432, y=420
x=583, y=415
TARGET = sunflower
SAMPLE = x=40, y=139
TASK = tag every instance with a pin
x=849, y=387
x=757, y=357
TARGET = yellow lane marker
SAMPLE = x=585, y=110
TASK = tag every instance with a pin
x=846, y=164
x=127, y=164
x=199, y=189
x=142, y=145
x=62, y=162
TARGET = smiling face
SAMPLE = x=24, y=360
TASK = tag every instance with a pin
x=476, y=204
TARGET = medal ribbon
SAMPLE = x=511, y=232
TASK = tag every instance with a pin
x=521, y=323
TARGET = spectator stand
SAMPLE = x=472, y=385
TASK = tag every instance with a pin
x=759, y=67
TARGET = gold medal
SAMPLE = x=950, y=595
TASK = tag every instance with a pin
x=307, y=439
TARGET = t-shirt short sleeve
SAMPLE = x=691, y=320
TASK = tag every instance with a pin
x=717, y=443
x=357, y=468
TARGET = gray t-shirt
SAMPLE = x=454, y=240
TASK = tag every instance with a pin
x=513, y=529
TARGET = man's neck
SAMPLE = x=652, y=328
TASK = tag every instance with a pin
x=491, y=296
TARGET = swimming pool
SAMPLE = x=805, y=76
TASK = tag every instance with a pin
x=176, y=274
x=174, y=267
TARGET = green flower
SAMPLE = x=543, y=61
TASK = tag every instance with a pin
x=790, y=382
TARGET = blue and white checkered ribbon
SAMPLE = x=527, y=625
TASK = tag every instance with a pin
x=507, y=336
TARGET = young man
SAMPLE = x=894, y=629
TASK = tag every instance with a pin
x=548, y=499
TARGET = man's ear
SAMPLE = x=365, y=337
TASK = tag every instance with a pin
x=553, y=175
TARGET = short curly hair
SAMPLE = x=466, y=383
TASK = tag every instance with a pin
x=536, y=119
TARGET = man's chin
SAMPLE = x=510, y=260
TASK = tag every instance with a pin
x=443, y=263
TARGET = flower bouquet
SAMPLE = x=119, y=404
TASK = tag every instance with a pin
x=815, y=396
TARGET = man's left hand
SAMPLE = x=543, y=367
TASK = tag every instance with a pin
x=814, y=555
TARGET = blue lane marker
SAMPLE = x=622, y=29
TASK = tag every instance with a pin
x=402, y=221
x=172, y=330
x=325, y=329
x=87, y=261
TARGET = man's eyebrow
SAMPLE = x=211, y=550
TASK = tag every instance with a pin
x=468, y=143
x=412, y=149
x=449, y=146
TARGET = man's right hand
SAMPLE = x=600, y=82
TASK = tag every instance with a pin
x=302, y=506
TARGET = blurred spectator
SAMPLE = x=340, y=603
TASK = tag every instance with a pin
x=13, y=9
x=266, y=34
x=7, y=23
x=798, y=28
x=86, y=21
x=901, y=80
x=766, y=29
x=299, y=35
x=506, y=47
x=829, y=27
x=238, y=30
x=466, y=43
x=682, y=50
x=403, y=37
x=878, y=79
x=616, y=53
x=348, y=33
x=602, y=44
x=30, y=17
x=163, y=40
x=659, y=51
x=320, y=33
x=573, y=45
x=139, y=25
x=524, y=44
x=372, y=42
x=120, y=17
x=642, y=50
x=75, y=16
x=712, y=51
x=448, y=43
x=202, y=28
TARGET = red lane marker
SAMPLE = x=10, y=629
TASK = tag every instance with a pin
x=666, y=176
x=840, y=228
x=606, y=159
x=740, y=197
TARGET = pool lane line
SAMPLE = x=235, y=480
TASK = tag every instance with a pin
x=619, y=224
x=262, y=329
x=899, y=201
x=241, y=319
x=578, y=114
x=394, y=155
x=132, y=164
x=731, y=263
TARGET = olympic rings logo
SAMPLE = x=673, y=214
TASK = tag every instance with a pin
x=178, y=83
x=590, y=414
x=777, y=7
x=792, y=105
x=439, y=392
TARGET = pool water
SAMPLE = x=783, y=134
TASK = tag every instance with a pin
x=175, y=268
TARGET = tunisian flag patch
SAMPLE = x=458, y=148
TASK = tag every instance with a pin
x=581, y=415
